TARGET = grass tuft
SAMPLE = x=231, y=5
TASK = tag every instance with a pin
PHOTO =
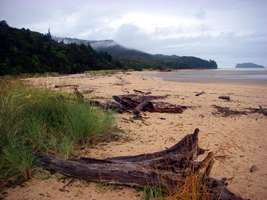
x=153, y=192
x=193, y=189
x=38, y=120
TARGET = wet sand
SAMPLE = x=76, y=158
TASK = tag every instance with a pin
x=238, y=141
x=226, y=76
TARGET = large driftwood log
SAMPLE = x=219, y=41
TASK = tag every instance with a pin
x=167, y=169
x=138, y=103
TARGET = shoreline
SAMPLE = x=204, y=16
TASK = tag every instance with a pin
x=238, y=141
x=212, y=76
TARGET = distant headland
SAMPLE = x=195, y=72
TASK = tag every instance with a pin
x=248, y=65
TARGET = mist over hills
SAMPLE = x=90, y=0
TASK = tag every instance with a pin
x=26, y=51
x=138, y=59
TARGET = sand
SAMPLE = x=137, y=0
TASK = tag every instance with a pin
x=238, y=141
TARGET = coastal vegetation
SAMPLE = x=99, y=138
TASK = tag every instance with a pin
x=138, y=60
x=26, y=51
x=41, y=121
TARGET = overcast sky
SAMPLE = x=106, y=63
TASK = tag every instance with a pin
x=229, y=31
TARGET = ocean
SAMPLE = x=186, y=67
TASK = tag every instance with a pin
x=242, y=76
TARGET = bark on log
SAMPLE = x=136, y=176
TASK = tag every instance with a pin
x=137, y=104
x=263, y=110
x=66, y=85
x=130, y=101
x=167, y=169
x=140, y=107
x=144, y=103
x=260, y=110
x=227, y=98
x=226, y=111
x=199, y=93
x=141, y=92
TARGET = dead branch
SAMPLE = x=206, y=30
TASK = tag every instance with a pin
x=141, y=92
x=199, y=93
x=66, y=85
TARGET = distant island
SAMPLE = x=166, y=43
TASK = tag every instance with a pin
x=248, y=65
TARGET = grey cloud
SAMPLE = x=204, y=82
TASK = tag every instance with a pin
x=228, y=31
x=201, y=14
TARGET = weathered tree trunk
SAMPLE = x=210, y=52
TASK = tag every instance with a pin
x=167, y=169
x=137, y=103
x=163, y=168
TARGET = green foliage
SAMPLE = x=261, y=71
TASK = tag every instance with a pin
x=138, y=60
x=38, y=120
x=25, y=51
x=153, y=192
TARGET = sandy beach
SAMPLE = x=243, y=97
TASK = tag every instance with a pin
x=238, y=142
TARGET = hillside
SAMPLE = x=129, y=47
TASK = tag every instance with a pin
x=248, y=65
x=25, y=51
x=137, y=59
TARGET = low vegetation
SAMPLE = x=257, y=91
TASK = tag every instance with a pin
x=38, y=120
x=194, y=188
x=153, y=193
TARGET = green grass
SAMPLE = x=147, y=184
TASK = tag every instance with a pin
x=153, y=192
x=38, y=120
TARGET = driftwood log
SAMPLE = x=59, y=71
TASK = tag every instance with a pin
x=167, y=169
x=199, y=93
x=227, y=98
x=139, y=103
x=226, y=111
x=260, y=110
x=67, y=85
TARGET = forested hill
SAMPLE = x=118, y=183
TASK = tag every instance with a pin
x=25, y=51
x=133, y=58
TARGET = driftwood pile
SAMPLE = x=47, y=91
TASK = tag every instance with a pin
x=140, y=103
x=167, y=169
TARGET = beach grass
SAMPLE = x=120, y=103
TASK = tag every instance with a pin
x=38, y=120
x=153, y=192
x=194, y=188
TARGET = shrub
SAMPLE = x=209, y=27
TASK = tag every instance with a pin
x=38, y=120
